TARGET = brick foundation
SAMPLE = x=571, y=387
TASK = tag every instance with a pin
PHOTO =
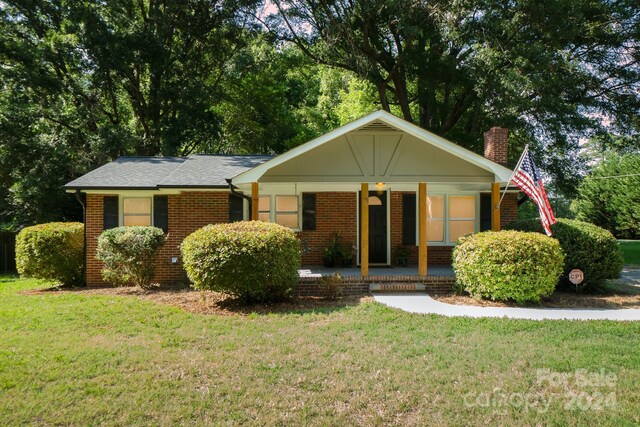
x=356, y=285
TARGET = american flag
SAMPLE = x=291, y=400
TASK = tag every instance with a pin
x=528, y=179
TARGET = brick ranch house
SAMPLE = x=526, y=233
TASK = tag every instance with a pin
x=380, y=181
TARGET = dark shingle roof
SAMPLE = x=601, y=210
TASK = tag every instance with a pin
x=197, y=171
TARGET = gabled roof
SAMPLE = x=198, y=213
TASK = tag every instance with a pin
x=197, y=171
x=378, y=119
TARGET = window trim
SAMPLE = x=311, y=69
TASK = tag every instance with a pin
x=297, y=211
x=444, y=219
x=121, y=206
x=474, y=219
x=446, y=242
x=273, y=212
x=270, y=205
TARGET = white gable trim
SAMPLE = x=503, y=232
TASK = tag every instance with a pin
x=501, y=173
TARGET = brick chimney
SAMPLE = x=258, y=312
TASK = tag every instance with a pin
x=496, y=141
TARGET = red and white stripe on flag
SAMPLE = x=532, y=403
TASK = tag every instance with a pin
x=527, y=178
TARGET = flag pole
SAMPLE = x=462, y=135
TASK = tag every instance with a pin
x=515, y=170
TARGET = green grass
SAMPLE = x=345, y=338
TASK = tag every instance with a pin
x=114, y=360
x=630, y=251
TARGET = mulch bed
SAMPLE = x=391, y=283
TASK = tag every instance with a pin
x=621, y=296
x=208, y=302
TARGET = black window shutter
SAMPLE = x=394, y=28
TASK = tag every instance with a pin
x=485, y=211
x=408, y=219
x=236, y=208
x=161, y=212
x=110, y=217
x=308, y=211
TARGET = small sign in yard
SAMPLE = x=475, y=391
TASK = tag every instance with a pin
x=576, y=276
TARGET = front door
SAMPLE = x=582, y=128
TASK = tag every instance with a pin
x=377, y=227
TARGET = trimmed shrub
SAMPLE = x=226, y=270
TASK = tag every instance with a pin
x=508, y=265
x=251, y=260
x=588, y=247
x=129, y=254
x=52, y=251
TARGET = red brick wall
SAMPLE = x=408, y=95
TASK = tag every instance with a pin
x=496, y=142
x=94, y=228
x=187, y=212
x=509, y=208
x=335, y=212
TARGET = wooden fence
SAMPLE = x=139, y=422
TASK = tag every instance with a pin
x=7, y=252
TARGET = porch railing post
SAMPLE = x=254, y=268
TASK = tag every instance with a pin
x=422, y=229
x=495, y=206
x=364, y=229
x=255, y=201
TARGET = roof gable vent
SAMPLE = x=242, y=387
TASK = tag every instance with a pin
x=377, y=126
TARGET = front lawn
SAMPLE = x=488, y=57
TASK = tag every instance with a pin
x=630, y=251
x=86, y=359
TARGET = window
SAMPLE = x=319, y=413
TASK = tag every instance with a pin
x=462, y=216
x=435, y=218
x=287, y=211
x=137, y=211
x=450, y=217
x=264, y=208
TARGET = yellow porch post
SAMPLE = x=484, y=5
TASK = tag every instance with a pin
x=255, y=201
x=364, y=229
x=495, y=209
x=422, y=229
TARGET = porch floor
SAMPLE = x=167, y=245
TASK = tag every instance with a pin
x=433, y=270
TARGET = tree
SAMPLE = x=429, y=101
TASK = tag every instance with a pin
x=549, y=70
x=271, y=98
x=609, y=196
x=85, y=82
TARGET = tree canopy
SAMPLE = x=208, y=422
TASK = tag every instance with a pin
x=84, y=82
x=610, y=195
x=552, y=71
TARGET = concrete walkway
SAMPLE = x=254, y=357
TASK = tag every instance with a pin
x=424, y=304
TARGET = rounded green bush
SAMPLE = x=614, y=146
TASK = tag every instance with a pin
x=508, y=265
x=129, y=254
x=52, y=251
x=251, y=260
x=587, y=247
